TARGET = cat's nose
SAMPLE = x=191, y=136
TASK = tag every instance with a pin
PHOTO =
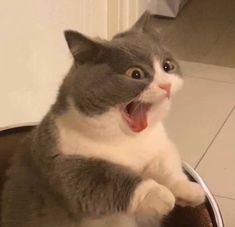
x=167, y=88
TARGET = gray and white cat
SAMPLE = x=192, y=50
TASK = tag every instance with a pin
x=101, y=154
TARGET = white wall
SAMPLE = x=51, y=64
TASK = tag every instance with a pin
x=34, y=57
x=122, y=14
x=33, y=54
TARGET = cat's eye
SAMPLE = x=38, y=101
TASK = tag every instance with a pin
x=135, y=73
x=168, y=65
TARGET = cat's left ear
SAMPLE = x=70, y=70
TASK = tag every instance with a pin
x=82, y=48
x=142, y=23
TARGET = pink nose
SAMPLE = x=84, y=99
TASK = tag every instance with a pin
x=167, y=88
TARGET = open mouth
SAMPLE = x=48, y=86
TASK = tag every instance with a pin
x=135, y=115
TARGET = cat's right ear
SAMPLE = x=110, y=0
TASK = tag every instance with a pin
x=141, y=24
x=81, y=47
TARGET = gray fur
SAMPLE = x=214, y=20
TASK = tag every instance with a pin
x=97, y=80
x=97, y=86
x=48, y=189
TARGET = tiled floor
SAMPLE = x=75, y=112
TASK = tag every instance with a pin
x=204, y=31
x=202, y=124
x=227, y=207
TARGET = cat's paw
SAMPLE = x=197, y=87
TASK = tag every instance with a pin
x=188, y=193
x=151, y=198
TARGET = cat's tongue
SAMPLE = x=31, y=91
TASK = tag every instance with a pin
x=137, y=116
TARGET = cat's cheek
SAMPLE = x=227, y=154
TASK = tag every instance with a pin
x=158, y=112
x=176, y=83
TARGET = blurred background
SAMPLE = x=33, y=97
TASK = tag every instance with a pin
x=201, y=33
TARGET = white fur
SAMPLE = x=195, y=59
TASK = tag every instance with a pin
x=152, y=198
x=103, y=138
x=154, y=93
x=108, y=137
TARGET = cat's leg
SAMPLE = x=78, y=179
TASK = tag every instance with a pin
x=166, y=169
x=95, y=188
x=151, y=198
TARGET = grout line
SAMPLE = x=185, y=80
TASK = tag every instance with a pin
x=224, y=197
x=212, y=141
x=213, y=80
x=184, y=60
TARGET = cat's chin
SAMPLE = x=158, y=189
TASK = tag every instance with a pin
x=135, y=114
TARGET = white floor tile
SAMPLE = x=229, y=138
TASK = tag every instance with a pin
x=227, y=207
x=218, y=166
x=198, y=112
x=205, y=71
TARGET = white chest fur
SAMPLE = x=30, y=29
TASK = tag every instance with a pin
x=133, y=151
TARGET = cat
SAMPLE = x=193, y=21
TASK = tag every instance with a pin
x=101, y=152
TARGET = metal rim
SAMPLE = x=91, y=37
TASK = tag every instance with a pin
x=210, y=197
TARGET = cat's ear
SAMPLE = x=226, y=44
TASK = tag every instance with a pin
x=81, y=47
x=142, y=23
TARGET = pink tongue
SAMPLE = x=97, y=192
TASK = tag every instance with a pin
x=138, y=117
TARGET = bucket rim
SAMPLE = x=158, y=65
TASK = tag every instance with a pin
x=212, y=201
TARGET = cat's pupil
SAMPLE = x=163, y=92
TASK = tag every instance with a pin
x=168, y=66
x=136, y=74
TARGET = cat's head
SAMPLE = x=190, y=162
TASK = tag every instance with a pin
x=133, y=74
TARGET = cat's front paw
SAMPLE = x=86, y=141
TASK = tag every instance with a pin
x=151, y=198
x=188, y=193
